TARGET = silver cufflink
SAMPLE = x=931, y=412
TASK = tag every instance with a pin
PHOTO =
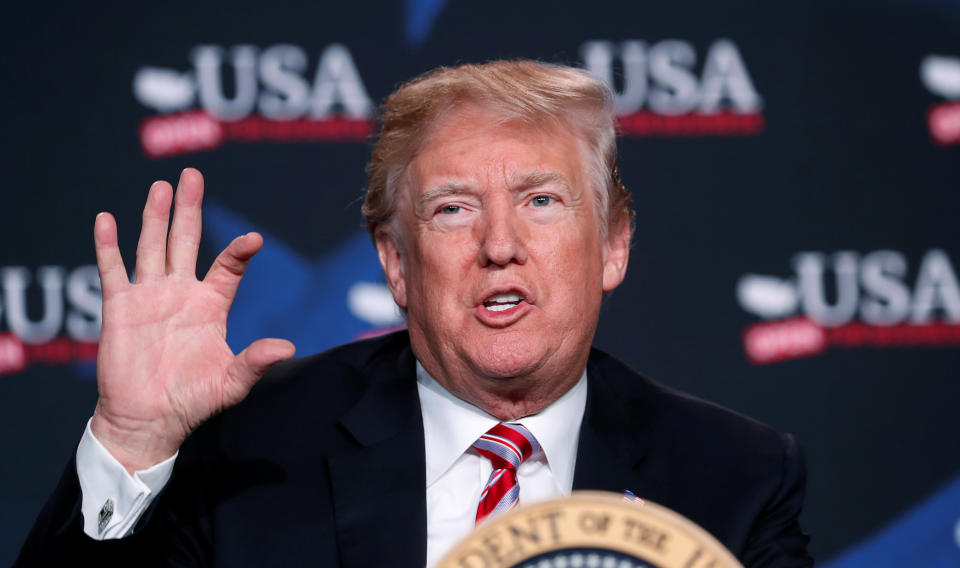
x=106, y=512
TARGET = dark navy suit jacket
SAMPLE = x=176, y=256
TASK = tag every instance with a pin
x=323, y=465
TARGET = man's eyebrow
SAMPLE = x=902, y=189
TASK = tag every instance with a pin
x=536, y=178
x=443, y=190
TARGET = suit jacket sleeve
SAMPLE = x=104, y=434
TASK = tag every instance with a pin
x=776, y=539
x=170, y=532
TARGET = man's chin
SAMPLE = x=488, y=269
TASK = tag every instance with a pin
x=503, y=372
x=514, y=361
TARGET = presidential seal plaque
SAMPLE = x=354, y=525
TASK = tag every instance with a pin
x=590, y=529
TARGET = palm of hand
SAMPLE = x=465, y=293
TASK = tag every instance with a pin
x=163, y=353
x=163, y=365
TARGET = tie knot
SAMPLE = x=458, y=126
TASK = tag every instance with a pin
x=507, y=446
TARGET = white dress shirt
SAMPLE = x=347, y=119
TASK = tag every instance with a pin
x=456, y=473
x=109, y=491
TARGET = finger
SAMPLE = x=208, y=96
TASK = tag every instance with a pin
x=113, y=275
x=152, y=247
x=251, y=363
x=184, y=240
x=227, y=270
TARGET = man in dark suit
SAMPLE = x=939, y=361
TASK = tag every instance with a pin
x=500, y=221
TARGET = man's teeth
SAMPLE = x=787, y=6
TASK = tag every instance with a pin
x=502, y=302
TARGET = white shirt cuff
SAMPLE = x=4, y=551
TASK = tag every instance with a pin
x=114, y=500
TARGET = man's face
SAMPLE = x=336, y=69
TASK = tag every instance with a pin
x=503, y=267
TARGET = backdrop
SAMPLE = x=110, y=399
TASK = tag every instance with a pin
x=794, y=166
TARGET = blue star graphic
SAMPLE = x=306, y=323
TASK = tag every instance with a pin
x=419, y=16
x=315, y=303
x=927, y=536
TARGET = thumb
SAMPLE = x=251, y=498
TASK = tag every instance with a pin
x=251, y=363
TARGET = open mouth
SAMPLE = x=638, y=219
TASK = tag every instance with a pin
x=502, y=302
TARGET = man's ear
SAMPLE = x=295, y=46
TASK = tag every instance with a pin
x=617, y=250
x=391, y=259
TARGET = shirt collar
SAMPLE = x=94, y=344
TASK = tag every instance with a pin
x=452, y=425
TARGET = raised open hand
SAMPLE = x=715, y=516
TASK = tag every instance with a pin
x=164, y=366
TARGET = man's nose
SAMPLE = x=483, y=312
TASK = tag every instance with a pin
x=502, y=237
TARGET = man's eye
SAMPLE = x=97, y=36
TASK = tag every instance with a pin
x=450, y=209
x=541, y=201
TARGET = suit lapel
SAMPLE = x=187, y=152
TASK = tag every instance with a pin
x=379, y=487
x=612, y=445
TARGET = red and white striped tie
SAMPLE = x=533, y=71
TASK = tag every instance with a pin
x=506, y=446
